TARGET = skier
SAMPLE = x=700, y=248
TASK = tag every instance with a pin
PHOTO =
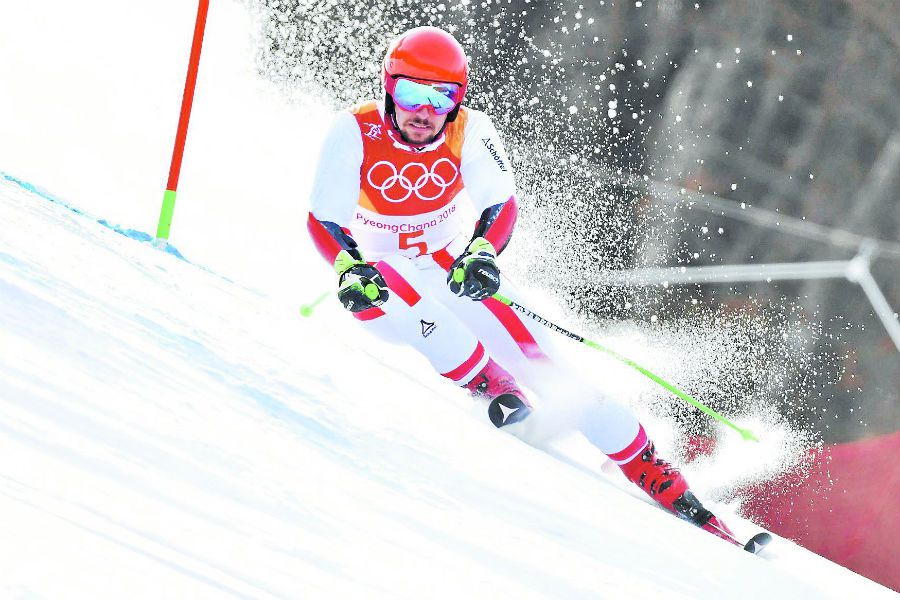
x=392, y=182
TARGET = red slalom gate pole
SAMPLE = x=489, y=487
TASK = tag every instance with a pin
x=168, y=206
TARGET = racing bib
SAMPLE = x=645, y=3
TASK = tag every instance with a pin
x=408, y=200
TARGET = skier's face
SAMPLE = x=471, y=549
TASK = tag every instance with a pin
x=419, y=126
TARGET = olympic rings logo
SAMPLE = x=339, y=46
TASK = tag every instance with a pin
x=413, y=178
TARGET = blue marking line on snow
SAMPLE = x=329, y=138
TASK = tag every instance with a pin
x=139, y=236
x=142, y=237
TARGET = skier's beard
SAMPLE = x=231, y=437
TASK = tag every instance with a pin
x=418, y=129
x=410, y=128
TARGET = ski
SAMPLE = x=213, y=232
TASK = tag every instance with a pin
x=759, y=541
x=689, y=508
x=754, y=545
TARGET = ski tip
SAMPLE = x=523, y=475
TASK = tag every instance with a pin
x=758, y=542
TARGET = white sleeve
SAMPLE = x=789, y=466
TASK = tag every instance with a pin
x=335, y=191
x=485, y=167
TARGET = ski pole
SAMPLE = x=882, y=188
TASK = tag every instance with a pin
x=745, y=433
x=306, y=310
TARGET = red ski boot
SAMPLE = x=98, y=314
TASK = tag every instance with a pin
x=665, y=484
x=507, y=402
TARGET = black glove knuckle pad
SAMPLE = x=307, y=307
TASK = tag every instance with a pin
x=481, y=277
x=353, y=283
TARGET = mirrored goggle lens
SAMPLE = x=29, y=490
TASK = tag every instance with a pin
x=411, y=95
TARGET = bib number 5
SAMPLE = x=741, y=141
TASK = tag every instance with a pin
x=407, y=243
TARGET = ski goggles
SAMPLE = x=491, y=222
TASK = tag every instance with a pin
x=411, y=95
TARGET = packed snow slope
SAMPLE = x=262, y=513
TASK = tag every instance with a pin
x=173, y=429
x=168, y=433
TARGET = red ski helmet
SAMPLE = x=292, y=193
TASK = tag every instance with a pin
x=428, y=54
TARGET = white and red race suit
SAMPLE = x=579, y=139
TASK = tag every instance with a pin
x=404, y=207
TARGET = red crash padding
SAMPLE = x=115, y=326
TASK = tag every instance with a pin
x=500, y=231
x=467, y=365
x=515, y=327
x=632, y=449
x=398, y=284
x=369, y=314
x=325, y=243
